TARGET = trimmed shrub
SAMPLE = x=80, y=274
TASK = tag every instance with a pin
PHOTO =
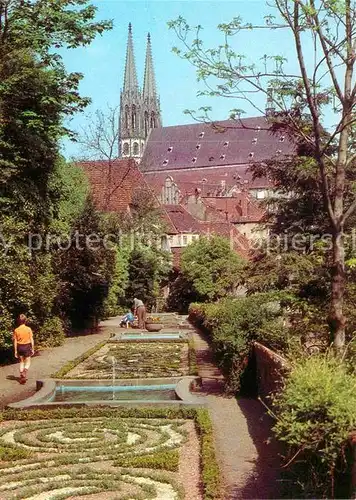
x=234, y=324
x=51, y=333
x=316, y=413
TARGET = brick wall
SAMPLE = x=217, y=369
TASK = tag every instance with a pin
x=270, y=369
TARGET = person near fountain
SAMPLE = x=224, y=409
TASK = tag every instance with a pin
x=140, y=312
x=23, y=346
x=127, y=320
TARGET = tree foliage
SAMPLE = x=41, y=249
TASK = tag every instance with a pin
x=213, y=269
x=148, y=268
x=297, y=103
x=36, y=95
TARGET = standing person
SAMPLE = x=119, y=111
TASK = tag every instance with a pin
x=23, y=346
x=140, y=312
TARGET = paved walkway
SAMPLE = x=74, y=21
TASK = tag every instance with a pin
x=48, y=362
x=250, y=466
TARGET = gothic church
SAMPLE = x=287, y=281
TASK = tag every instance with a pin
x=139, y=109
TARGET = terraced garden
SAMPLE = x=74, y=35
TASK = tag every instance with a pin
x=132, y=360
x=104, y=454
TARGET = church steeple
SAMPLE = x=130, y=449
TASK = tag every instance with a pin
x=139, y=112
x=130, y=79
x=149, y=83
x=132, y=138
x=152, y=113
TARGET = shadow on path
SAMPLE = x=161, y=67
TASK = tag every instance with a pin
x=264, y=481
x=12, y=377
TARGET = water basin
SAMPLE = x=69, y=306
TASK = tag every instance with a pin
x=168, y=391
x=148, y=336
x=117, y=393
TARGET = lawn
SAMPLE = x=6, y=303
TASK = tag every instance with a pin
x=132, y=360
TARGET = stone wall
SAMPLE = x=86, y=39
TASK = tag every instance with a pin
x=270, y=369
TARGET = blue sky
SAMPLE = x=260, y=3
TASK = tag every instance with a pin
x=102, y=63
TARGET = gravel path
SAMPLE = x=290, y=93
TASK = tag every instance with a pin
x=48, y=361
x=249, y=463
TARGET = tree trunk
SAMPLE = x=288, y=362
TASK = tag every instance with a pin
x=336, y=318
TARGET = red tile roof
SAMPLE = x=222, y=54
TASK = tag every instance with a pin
x=200, y=145
x=113, y=185
x=210, y=181
x=182, y=220
x=240, y=208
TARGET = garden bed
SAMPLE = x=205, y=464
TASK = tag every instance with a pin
x=143, y=360
x=107, y=454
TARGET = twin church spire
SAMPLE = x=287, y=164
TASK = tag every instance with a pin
x=139, y=110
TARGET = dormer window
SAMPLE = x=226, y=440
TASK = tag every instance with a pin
x=251, y=154
x=258, y=128
x=281, y=139
x=211, y=158
x=226, y=143
x=279, y=151
x=165, y=162
x=198, y=146
x=222, y=157
x=201, y=134
x=170, y=149
x=254, y=140
x=194, y=159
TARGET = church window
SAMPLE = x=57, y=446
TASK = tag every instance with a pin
x=146, y=124
x=126, y=116
x=126, y=149
x=135, y=149
x=133, y=117
x=153, y=120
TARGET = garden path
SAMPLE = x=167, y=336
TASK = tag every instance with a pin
x=48, y=362
x=249, y=463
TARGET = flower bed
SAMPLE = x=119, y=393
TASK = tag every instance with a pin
x=106, y=454
x=143, y=360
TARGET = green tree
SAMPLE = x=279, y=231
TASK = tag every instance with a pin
x=148, y=268
x=212, y=267
x=118, y=277
x=36, y=94
x=82, y=270
x=297, y=101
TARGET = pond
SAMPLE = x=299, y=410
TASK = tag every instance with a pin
x=116, y=393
